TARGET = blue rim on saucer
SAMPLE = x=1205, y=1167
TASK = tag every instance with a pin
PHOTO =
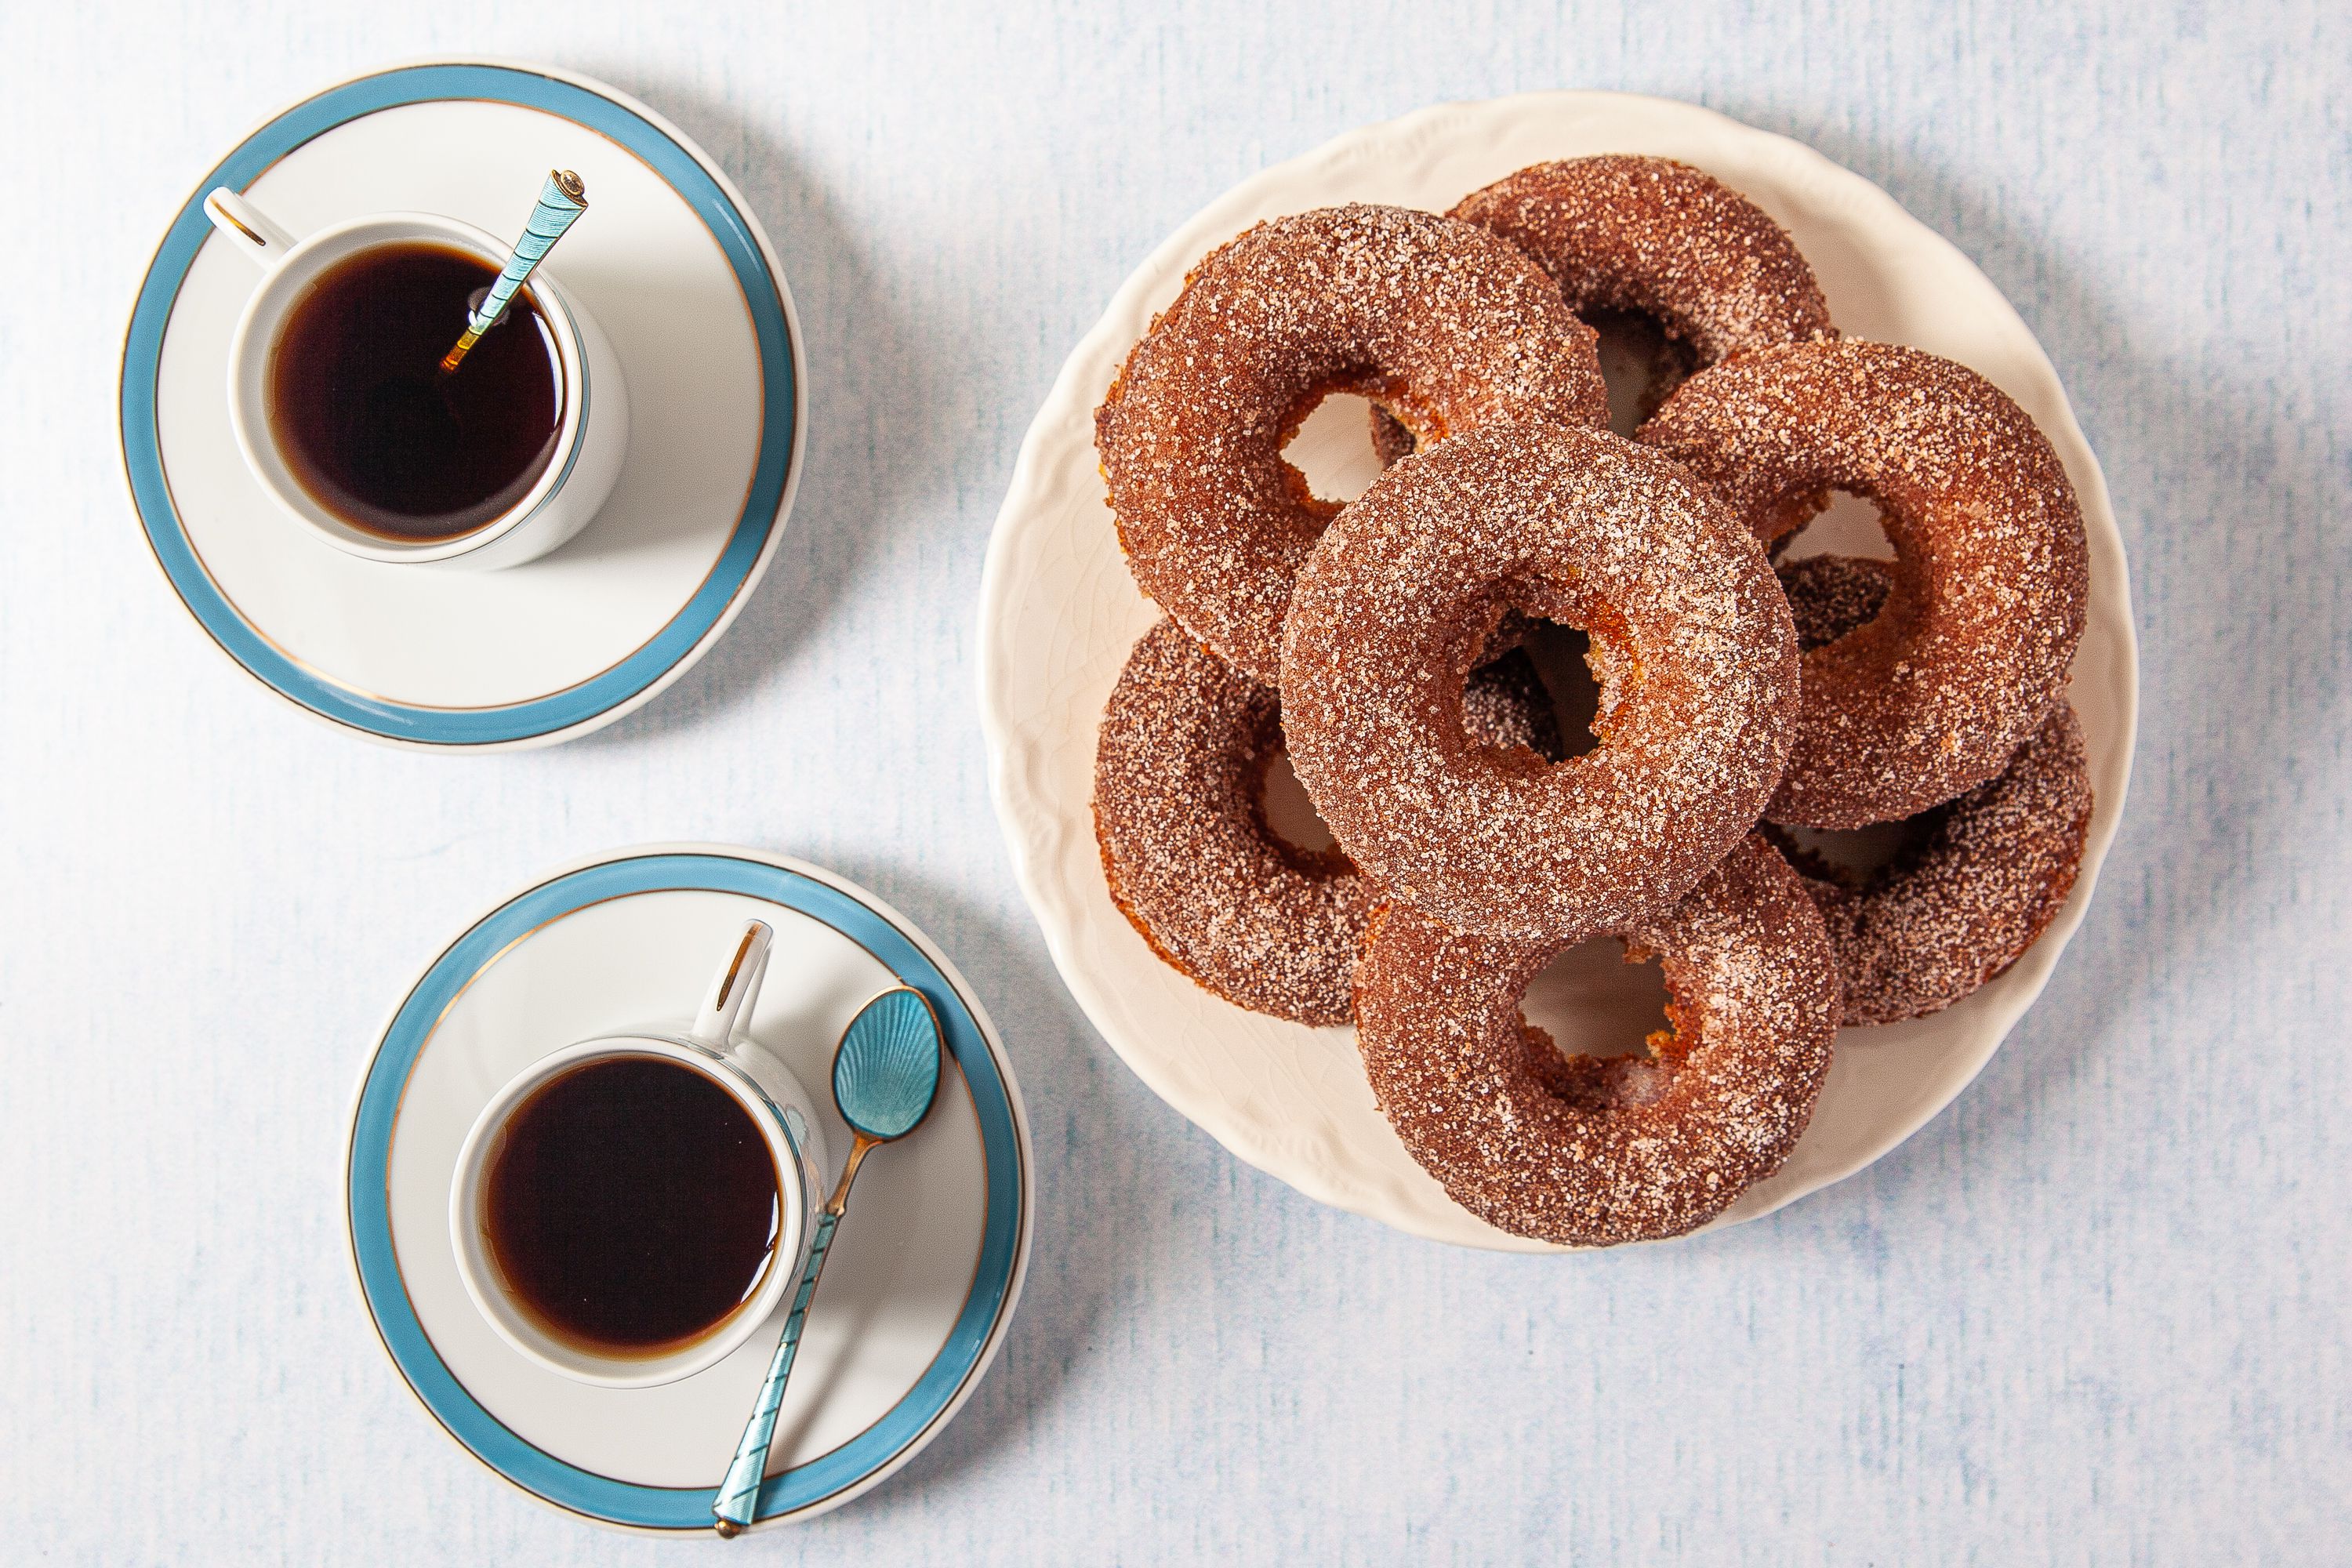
x=935, y=1395
x=738, y=238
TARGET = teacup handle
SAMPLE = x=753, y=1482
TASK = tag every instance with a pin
x=248, y=225
x=734, y=989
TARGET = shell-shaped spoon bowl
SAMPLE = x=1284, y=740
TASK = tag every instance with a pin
x=888, y=1071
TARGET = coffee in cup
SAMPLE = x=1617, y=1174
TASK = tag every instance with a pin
x=628, y=1210
x=371, y=426
x=631, y=1206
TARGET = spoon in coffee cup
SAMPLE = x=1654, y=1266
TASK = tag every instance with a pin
x=561, y=202
x=886, y=1073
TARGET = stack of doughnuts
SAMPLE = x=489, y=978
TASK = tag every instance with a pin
x=1751, y=699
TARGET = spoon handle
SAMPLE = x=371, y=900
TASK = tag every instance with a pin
x=561, y=202
x=739, y=1495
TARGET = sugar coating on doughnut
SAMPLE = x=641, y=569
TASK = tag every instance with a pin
x=1623, y=235
x=1180, y=778
x=1504, y=705
x=1830, y=596
x=1659, y=239
x=1690, y=643
x=1981, y=878
x=1983, y=875
x=1991, y=581
x=1437, y=320
x=1954, y=909
x=1594, y=1152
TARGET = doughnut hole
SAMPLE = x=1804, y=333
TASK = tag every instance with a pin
x=1849, y=525
x=1856, y=855
x=1600, y=1016
x=1331, y=452
x=1833, y=596
x=1290, y=815
x=1639, y=365
x=1562, y=657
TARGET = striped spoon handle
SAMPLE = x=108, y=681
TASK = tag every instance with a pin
x=561, y=202
x=739, y=1495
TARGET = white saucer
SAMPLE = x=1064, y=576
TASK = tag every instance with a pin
x=672, y=264
x=922, y=1279
x=1059, y=614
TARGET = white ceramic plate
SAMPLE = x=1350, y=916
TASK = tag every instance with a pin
x=675, y=268
x=1059, y=614
x=920, y=1285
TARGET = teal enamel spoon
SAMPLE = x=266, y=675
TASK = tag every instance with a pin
x=886, y=1072
x=561, y=202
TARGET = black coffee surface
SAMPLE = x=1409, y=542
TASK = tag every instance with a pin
x=631, y=1206
x=371, y=427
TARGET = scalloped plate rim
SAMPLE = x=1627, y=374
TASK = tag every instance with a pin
x=1287, y=1159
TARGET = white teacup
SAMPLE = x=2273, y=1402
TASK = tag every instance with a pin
x=716, y=1048
x=595, y=432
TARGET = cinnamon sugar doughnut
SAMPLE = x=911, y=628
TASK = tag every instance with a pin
x=1180, y=781
x=1984, y=879
x=1654, y=238
x=1982, y=876
x=1991, y=577
x=1438, y=320
x=1691, y=645
x=1595, y=1152
x=1651, y=238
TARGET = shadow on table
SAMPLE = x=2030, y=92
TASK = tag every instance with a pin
x=875, y=425
x=2223, y=503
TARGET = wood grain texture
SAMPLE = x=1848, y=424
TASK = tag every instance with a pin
x=2086, y=1316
